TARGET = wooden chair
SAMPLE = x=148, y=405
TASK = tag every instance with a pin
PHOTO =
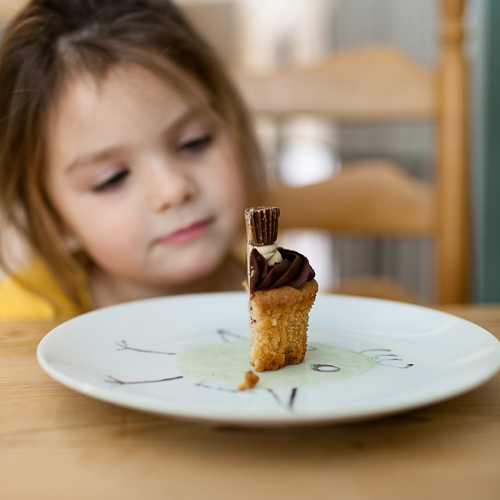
x=379, y=198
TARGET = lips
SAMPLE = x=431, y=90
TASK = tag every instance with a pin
x=187, y=233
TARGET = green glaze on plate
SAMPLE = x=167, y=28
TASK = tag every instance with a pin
x=223, y=365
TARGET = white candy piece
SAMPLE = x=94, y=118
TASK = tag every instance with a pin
x=271, y=253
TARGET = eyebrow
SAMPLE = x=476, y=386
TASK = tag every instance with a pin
x=107, y=153
x=91, y=158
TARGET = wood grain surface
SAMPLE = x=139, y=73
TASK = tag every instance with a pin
x=57, y=444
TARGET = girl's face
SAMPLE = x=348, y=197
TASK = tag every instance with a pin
x=144, y=180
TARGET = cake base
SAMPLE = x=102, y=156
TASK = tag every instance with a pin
x=279, y=319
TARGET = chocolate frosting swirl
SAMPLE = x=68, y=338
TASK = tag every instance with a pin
x=294, y=270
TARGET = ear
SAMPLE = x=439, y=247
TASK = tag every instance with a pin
x=70, y=239
x=72, y=243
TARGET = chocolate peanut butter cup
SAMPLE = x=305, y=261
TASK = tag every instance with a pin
x=262, y=225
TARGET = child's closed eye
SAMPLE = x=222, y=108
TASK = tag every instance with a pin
x=197, y=144
x=112, y=182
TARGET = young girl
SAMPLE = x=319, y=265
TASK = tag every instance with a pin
x=126, y=157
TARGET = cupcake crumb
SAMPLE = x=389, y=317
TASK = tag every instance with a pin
x=249, y=381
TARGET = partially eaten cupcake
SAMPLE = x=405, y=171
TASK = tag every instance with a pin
x=282, y=291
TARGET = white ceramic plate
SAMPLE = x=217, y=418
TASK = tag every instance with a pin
x=184, y=356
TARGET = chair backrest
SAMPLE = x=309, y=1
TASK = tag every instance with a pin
x=379, y=198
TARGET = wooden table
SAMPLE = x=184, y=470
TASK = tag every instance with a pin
x=57, y=444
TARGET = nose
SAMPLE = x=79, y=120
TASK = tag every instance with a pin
x=169, y=186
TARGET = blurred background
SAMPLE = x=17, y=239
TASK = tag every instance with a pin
x=264, y=34
x=304, y=31
x=261, y=36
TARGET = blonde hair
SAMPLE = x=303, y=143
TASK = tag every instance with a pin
x=52, y=41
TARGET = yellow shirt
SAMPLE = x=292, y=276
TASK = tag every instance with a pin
x=18, y=303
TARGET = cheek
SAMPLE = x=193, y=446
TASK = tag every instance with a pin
x=104, y=230
x=228, y=189
x=114, y=245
